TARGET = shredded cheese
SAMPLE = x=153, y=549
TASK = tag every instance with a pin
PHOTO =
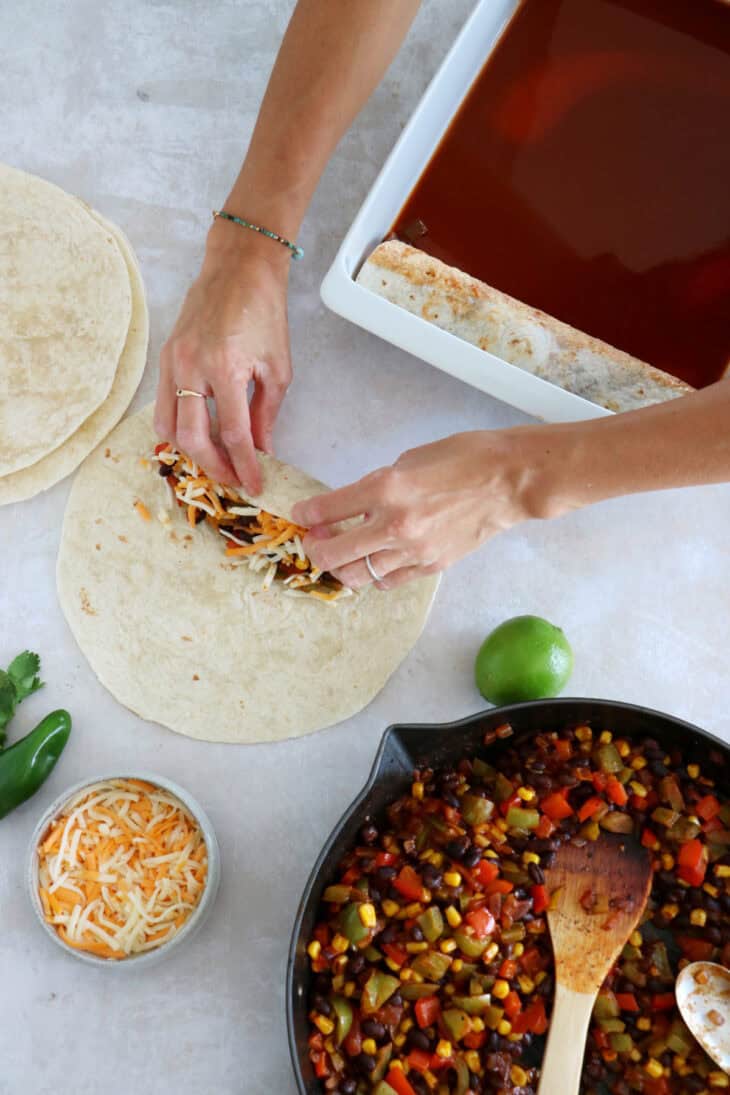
x=121, y=869
x=254, y=538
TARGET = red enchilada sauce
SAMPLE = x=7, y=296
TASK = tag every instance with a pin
x=587, y=173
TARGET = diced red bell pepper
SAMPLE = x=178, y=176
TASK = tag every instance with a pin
x=162, y=447
x=398, y=1080
x=556, y=806
x=600, y=1038
x=451, y=815
x=486, y=871
x=482, y=921
x=693, y=876
x=408, y=883
x=656, y=1087
x=321, y=1067
x=707, y=807
x=506, y=806
x=350, y=877
x=427, y=1010
x=508, y=969
x=419, y=1060
x=500, y=885
x=353, y=1041
x=627, y=1001
x=532, y=961
x=475, y=1039
x=395, y=953
x=697, y=950
x=598, y=779
x=512, y=1004
x=589, y=807
x=532, y=1020
x=540, y=899
x=616, y=792
x=545, y=828
x=692, y=862
x=713, y=825
x=385, y=859
x=648, y=838
x=316, y=1041
x=662, y=1001
x=322, y=934
x=563, y=748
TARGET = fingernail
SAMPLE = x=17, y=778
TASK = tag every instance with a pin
x=319, y=532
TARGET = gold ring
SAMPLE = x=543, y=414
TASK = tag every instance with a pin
x=188, y=391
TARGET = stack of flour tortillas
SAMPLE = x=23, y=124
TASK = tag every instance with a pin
x=73, y=332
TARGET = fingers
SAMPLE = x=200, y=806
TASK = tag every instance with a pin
x=234, y=420
x=409, y=574
x=265, y=406
x=166, y=403
x=334, y=552
x=356, y=575
x=193, y=437
x=338, y=505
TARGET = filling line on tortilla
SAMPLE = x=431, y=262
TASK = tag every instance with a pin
x=259, y=540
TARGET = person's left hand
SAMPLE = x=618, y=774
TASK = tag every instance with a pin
x=434, y=505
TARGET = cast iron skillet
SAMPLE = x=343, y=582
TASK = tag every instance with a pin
x=405, y=747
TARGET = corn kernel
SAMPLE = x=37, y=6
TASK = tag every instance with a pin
x=638, y=788
x=349, y=988
x=518, y=1076
x=329, y=1045
x=643, y=1023
x=636, y=939
x=416, y=948
x=623, y=748
x=638, y=763
x=518, y=950
x=491, y=854
x=390, y=908
x=722, y=871
x=453, y=916
x=417, y=790
x=504, y=1027
x=500, y=989
x=653, y=1068
x=338, y=983
x=530, y=857
x=473, y=1062
x=444, y=1049
x=693, y=771
x=437, y=859
x=490, y=953
x=414, y=910
x=698, y=917
x=397, y=1064
x=452, y=878
x=417, y=977
x=526, y=983
x=526, y=793
x=678, y=1063
x=606, y=737
x=540, y=977
x=428, y=1076
x=367, y=914
x=340, y=964
x=669, y=911
x=392, y=965
x=477, y=1024
x=324, y=1024
x=406, y=1025
x=446, y=946
x=370, y=1046
x=314, y=949
x=718, y=1079
x=710, y=889
x=399, y=1040
x=340, y=944
x=406, y=974
x=449, y=989
x=584, y=733
x=635, y=1055
x=667, y=861
x=457, y=965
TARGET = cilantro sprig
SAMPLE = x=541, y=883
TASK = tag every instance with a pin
x=19, y=680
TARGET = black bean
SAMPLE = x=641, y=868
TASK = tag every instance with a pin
x=432, y=877
x=368, y=833
x=396, y=1000
x=348, y=1087
x=356, y=964
x=322, y=1006
x=386, y=873
x=417, y=934
x=472, y=856
x=450, y=799
x=536, y=874
x=371, y=1028
x=165, y=470
x=388, y=934
x=374, y=894
x=366, y=1062
x=455, y=849
x=418, y=1040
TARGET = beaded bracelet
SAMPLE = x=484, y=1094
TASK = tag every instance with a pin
x=296, y=252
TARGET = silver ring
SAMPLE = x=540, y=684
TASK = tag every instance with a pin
x=180, y=392
x=373, y=572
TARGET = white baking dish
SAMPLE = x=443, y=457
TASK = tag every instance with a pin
x=419, y=139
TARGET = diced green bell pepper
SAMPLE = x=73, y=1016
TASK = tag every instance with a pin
x=343, y=1011
x=621, y=1043
x=608, y=758
x=382, y=1061
x=431, y=964
x=338, y=895
x=457, y=1022
x=476, y=810
x=606, y=1006
x=473, y=1005
x=352, y=926
x=378, y=988
x=520, y=818
x=468, y=945
x=431, y=923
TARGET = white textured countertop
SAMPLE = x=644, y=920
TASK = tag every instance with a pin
x=144, y=109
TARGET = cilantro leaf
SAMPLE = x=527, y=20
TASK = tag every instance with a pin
x=23, y=671
x=8, y=700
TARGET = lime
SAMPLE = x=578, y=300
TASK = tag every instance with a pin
x=525, y=658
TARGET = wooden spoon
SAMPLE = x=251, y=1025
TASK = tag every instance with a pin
x=703, y=997
x=598, y=893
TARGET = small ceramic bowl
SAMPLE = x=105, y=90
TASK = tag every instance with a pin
x=197, y=917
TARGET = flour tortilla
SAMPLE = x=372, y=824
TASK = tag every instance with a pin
x=65, y=308
x=50, y=469
x=184, y=637
x=513, y=331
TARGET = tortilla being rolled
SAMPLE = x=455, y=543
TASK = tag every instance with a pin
x=513, y=331
x=188, y=637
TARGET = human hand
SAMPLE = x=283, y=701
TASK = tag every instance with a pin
x=232, y=330
x=434, y=505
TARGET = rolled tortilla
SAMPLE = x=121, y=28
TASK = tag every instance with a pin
x=188, y=638
x=513, y=331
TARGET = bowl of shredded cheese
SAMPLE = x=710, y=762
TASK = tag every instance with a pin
x=123, y=869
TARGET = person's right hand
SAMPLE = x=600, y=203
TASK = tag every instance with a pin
x=232, y=330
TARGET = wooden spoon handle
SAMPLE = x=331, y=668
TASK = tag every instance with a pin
x=563, y=1061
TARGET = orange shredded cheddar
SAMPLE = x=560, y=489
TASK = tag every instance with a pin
x=142, y=510
x=121, y=869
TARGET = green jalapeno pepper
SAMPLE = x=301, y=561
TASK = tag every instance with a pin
x=26, y=765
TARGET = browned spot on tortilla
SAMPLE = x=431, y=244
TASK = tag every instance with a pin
x=196, y=677
x=86, y=603
x=98, y=521
x=98, y=547
x=173, y=535
x=186, y=638
x=187, y=536
x=122, y=538
x=107, y=453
